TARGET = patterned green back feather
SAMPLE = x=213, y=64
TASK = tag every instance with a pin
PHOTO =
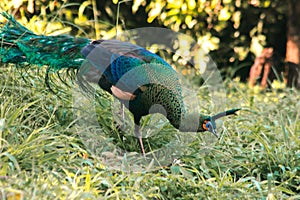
x=160, y=92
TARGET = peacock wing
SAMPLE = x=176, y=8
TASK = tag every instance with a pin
x=128, y=66
x=100, y=55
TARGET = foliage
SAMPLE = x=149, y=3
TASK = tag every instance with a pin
x=78, y=18
x=234, y=29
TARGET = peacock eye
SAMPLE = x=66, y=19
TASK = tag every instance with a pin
x=208, y=125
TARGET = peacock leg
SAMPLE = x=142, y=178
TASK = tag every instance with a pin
x=139, y=137
x=122, y=112
x=122, y=115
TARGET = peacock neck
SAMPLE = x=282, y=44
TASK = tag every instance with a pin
x=187, y=122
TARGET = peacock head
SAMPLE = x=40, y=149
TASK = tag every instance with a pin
x=209, y=124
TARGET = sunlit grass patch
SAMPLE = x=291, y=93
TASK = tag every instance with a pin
x=44, y=155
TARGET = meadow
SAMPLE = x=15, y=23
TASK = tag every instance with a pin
x=44, y=156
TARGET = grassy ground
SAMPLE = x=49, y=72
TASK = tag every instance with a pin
x=46, y=151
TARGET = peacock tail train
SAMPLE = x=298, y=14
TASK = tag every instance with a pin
x=20, y=45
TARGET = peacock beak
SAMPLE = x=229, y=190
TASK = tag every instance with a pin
x=225, y=113
x=214, y=132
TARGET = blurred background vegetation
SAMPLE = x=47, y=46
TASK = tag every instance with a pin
x=232, y=31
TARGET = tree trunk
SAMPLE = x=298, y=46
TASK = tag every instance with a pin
x=293, y=44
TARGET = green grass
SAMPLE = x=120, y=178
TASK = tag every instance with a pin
x=46, y=152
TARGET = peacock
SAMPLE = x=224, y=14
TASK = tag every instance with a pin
x=142, y=81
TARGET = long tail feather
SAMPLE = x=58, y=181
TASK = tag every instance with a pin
x=20, y=45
